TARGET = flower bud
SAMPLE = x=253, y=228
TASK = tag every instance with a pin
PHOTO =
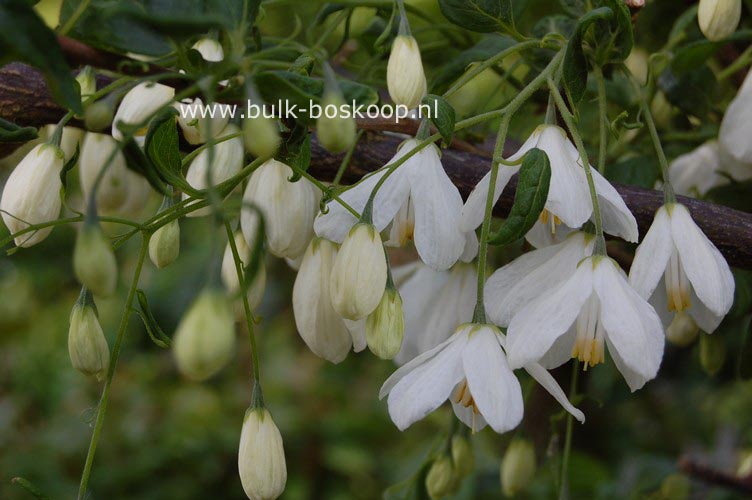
x=164, y=245
x=517, y=467
x=226, y=161
x=229, y=270
x=321, y=328
x=200, y=122
x=87, y=82
x=87, y=345
x=385, y=326
x=712, y=353
x=261, y=456
x=98, y=115
x=675, y=487
x=359, y=274
x=404, y=73
x=141, y=102
x=32, y=193
x=335, y=132
x=255, y=292
x=261, y=136
x=112, y=191
x=288, y=207
x=637, y=63
x=462, y=455
x=205, y=338
x=440, y=480
x=719, y=18
x=661, y=109
x=210, y=49
x=683, y=330
x=94, y=261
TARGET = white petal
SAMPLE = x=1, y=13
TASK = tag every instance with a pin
x=706, y=319
x=561, y=350
x=495, y=389
x=357, y=331
x=541, y=236
x=617, y=219
x=545, y=379
x=471, y=247
x=734, y=133
x=475, y=206
x=652, y=255
x=467, y=416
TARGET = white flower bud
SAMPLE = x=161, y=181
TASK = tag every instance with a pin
x=210, y=49
x=719, y=18
x=141, y=102
x=164, y=245
x=683, y=330
x=200, y=122
x=229, y=270
x=335, y=132
x=112, y=192
x=32, y=193
x=94, y=261
x=261, y=136
x=323, y=331
x=288, y=207
x=385, y=326
x=359, y=275
x=205, y=338
x=261, y=456
x=462, y=455
x=226, y=161
x=440, y=480
x=404, y=72
x=87, y=346
x=517, y=467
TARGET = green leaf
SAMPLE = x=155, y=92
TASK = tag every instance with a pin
x=162, y=147
x=575, y=68
x=136, y=160
x=10, y=132
x=457, y=65
x=694, y=92
x=156, y=334
x=442, y=115
x=30, y=488
x=642, y=170
x=529, y=200
x=616, y=37
x=296, y=151
x=483, y=16
x=25, y=38
x=696, y=53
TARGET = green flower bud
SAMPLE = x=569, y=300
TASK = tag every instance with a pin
x=385, y=326
x=335, y=131
x=164, y=245
x=675, y=487
x=719, y=18
x=712, y=353
x=94, y=261
x=98, y=115
x=205, y=337
x=261, y=456
x=261, y=136
x=440, y=480
x=87, y=346
x=517, y=467
x=405, y=78
x=661, y=109
x=462, y=455
x=87, y=81
x=683, y=330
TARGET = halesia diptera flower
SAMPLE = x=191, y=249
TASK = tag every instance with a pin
x=140, y=103
x=94, y=260
x=719, y=18
x=517, y=467
x=261, y=457
x=164, y=245
x=733, y=136
x=335, y=132
x=704, y=168
x=201, y=122
x=261, y=136
x=385, y=326
x=404, y=72
x=441, y=479
x=87, y=346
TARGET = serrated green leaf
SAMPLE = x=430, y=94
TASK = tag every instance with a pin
x=575, y=69
x=162, y=147
x=156, y=334
x=442, y=115
x=483, y=16
x=529, y=200
x=10, y=132
x=136, y=160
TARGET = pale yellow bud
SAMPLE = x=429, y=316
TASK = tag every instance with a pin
x=462, y=455
x=201, y=122
x=87, y=345
x=404, y=72
x=205, y=338
x=335, y=131
x=683, y=330
x=637, y=62
x=229, y=270
x=164, y=245
x=359, y=274
x=140, y=103
x=113, y=188
x=94, y=261
x=719, y=18
x=517, y=467
x=261, y=136
x=661, y=109
x=440, y=480
x=261, y=456
x=98, y=115
x=385, y=326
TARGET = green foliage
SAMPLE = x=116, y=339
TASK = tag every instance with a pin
x=444, y=118
x=10, y=132
x=483, y=16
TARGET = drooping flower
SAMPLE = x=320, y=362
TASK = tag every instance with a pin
x=201, y=122
x=261, y=456
x=32, y=193
x=418, y=199
x=696, y=276
x=568, y=203
x=404, y=72
x=141, y=102
x=719, y=18
x=697, y=172
x=471, y=369
x=734, y=133
x=594, y=308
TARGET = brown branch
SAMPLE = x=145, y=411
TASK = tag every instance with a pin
x=715, y=477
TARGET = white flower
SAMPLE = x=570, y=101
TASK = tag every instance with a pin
x=696, y=276
x=734, y=133
x=568, y=201
x=322, y=329
x=210, y=49
x=261, y=456
x=434, y=302
x=404, y=73
x=719, y=18
x=32, y=193
x=226, y=161
x=140, y=103
x=527, y=277
x=288, y=207
x=471, y=369
x=592, y=309
x=417, y=198
x=697, y=172
x=201, y=122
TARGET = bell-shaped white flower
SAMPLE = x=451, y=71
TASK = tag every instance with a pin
x=201, y=122
x=471, y=369
x=697, y=279
x=592, y=309
x=216, y=166
x=527, y=277
x=404, y=72
x=261, y=456
x=734, y=133
x=210, y=49
x=32, y=193
x=288, y=207
x=434, y=302
x=140, y=103
x=568, y=203
x=418, y=199
x=718, y=18
x=697, y=172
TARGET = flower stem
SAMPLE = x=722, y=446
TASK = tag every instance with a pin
x=104, y=400
x=602, y=119
x=564, y=487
